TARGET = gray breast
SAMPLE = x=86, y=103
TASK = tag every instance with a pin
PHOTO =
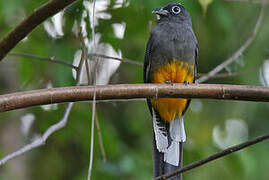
x=173, y=40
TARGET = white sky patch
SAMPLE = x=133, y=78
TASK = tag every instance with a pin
x=235, y=132
x=100, y=8
x=49, y=107
x=83, y=23
x=264, y=73
x=54, y=28
x=75, y=28
x=121, y=3
x=49, y=29
x=105, y=68
x=58, y=23
x=119, y=29
x=25, y=39
x=76, y=61
x=26, y=123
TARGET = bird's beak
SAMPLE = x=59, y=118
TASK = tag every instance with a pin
x=160, y=11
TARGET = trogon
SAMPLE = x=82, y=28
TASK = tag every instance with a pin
x=171, y=57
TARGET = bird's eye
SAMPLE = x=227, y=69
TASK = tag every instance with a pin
x=176, y=9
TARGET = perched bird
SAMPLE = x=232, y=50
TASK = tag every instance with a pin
x=171, y=57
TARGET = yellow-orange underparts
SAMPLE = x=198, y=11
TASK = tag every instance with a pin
x=176, y=72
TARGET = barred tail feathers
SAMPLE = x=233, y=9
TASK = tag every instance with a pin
x=177, y=134
x=160, y=136
x=177, y=130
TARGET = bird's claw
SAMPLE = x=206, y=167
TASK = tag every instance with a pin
x=186, y=82
x=168, y=82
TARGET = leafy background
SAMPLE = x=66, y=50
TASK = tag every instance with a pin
x=221, y=28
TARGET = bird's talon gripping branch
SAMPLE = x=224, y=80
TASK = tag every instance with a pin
x=186, y=82
x=169, y=82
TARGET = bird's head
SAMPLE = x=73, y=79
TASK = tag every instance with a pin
x=172, y=12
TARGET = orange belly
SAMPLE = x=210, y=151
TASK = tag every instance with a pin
x=176, y=72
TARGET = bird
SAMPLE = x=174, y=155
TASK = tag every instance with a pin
x=171, y=57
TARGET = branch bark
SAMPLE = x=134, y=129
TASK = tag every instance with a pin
x=130, y=91
x=30, y=23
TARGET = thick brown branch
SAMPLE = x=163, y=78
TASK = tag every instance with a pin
x=31, y=22
x=130, y=91
x=215, y=156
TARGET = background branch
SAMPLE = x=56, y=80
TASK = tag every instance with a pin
x=239, y=52
x=215, y=156
x=129, y=91
x=118, y=59
x=30, y=23
x=40, y=141
x=103, y=57
x=49, y=59
x=55, y=127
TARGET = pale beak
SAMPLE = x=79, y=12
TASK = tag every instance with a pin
x=160, y=11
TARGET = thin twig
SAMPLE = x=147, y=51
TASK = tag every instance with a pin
x=118, y=59
x=92, y=137
x=94, y=95
x=31, y=22
x=227, y=75
x=239, y=52
x=96, y=120
x=215, y=156
x=103, y=57
x=52, y=59
x=101, y=144
x=42, y=140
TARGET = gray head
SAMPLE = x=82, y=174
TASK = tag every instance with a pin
x=172, y=12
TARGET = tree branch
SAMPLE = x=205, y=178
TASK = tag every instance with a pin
x=52, y=129
x=118, y=59
x=215, y=156
x=52, y=60
x=30, y=23
x=40, y=141
x=130, y=91
x=236, y=55
x=99, y=133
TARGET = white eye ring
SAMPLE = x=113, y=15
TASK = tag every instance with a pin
x=176, y=9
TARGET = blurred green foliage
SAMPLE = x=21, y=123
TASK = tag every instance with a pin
x=126, y=126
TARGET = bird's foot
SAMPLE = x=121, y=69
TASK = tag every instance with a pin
x=169, y=82
x=186, y=82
